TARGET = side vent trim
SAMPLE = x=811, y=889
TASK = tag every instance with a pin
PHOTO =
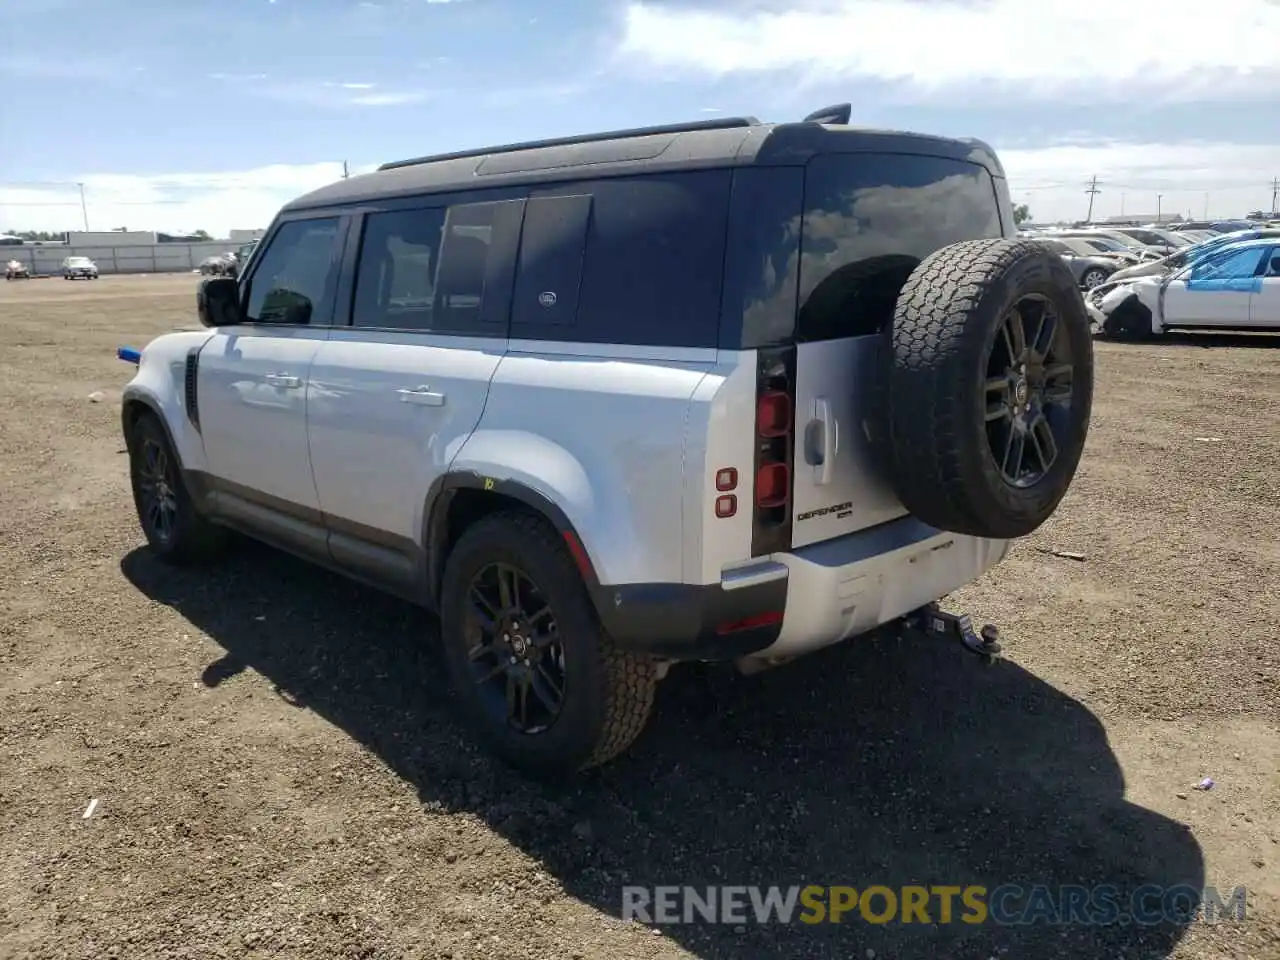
x=189, y=382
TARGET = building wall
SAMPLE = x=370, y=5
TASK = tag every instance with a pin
x=108, y=238
x=118, y=258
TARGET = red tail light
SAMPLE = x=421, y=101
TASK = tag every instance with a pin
x=773, y=485
x=773, y=414
x=775, y=425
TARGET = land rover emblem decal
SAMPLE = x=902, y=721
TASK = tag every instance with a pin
x=547, y=298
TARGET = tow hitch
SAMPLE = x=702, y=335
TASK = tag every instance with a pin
x=935, y=621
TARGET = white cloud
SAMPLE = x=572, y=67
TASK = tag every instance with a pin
x=1143, y=177
x=177, y=202
x=237, y=77
x=324, y=93
x=1084, y=51
x=69, y=68
x=397, y=98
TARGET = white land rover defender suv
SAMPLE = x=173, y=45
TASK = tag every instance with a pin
x=725, y=390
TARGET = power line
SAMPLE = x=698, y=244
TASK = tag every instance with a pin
x=1092, y=191
x=84, y=208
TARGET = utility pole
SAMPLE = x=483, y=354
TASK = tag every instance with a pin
x=1092, y=191
x=1275, y=195
x=344, y=169
x=1159, y=207
x=84, y=207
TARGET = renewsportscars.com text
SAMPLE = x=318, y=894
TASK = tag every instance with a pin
x=1008, y=904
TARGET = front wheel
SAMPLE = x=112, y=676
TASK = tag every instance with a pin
x=540, y=680
x=1093, y=278
x=175, y=529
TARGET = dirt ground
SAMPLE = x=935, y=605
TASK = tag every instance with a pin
x=278, y=772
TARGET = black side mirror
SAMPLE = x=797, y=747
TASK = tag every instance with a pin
x=218, y=302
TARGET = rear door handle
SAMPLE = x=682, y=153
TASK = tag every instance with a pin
x=830, y=440
x=283, y=380
x=423, y=396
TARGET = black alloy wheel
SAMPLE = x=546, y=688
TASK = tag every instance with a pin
x=1029, y=391
x=514, y=648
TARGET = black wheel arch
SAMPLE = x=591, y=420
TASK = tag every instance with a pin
x=458, y=499
x=135, y=407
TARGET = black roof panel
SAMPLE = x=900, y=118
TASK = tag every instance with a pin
x=735, y=141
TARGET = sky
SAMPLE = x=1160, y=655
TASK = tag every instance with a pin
x=181, y=115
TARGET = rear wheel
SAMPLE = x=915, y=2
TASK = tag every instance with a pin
x=989, y=387
x=175, y=529
x=538, y=677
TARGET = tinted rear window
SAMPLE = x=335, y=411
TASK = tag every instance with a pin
x=869, y=220
x=634, y=260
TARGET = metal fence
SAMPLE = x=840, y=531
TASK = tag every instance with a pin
x=141, y=258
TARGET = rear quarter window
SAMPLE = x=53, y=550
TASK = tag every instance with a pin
x=869, y=220
x=635, y=261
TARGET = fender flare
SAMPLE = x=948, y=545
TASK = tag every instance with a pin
x=147, y=402
x=435, y=529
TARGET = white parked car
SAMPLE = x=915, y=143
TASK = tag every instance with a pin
x=79, y=267
x=719, y=391
x=1236, y=288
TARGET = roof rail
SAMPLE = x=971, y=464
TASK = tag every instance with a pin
x=721, y=123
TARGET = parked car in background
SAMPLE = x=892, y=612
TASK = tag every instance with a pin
x=211, y=266
x=1119, y=254
x=1235, y=287
x=1216, y=226
x=79, y=267
x=1123, y=241
x=1090, y=270
x=240, y=257
x=16, y=270
x=1189, y=255
x=1163, y=241
x=1104, y=245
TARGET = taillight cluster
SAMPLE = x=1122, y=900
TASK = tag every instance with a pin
x=773, y=431
x=774, y=427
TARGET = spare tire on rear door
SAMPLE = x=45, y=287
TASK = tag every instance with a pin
x=988, y=387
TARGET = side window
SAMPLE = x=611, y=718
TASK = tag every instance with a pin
x=762, y=263
x=426, y=269
x=296, y=274
x=868, y=222
x=1149, y=238
x=650, y=269
x=395, y=282
x=1232, y=266
x=1273, y=262
x=549, y=276
x=464, y=258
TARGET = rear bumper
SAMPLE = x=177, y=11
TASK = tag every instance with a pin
x=791, y=603
x=694, y=622
x=854, y=584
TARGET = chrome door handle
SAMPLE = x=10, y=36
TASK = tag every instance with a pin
x=423, y=396
x=283, y=380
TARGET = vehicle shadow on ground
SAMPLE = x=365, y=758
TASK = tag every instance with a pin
x=890, y=761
